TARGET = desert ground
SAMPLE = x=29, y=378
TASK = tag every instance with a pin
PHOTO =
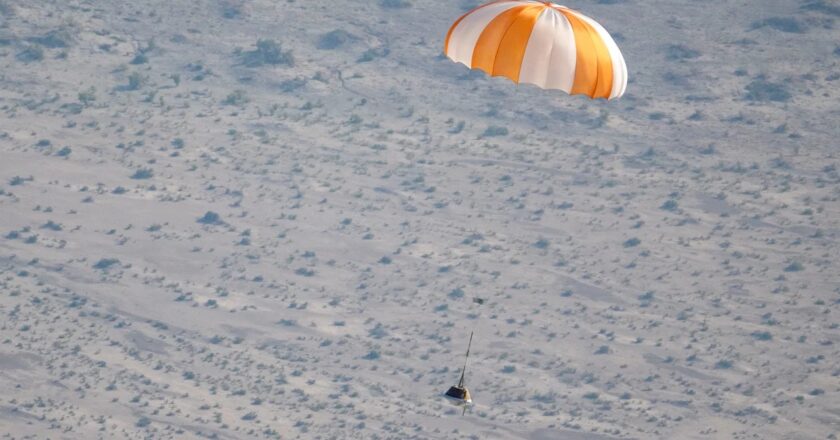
x=248, y=219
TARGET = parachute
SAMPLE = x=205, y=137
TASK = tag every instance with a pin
x=540, y=43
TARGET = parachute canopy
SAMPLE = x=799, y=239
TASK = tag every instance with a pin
x=540, y=43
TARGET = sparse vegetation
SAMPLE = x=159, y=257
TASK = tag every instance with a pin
x=494, y=131
x=143, y=173
x=632, y=242
x=395, y=4
x=679, y=52
x=135, y=81
x=237, y=97
x=783, y=24
x=268, y=52
x=232, y=9
x=87, y=96
x=18, y=180
x=794, y=266
x=724, y=364
x=669, y=205
x=762, y=336
x=55, y=39
x=31, y=54
x=761, y=90
x=334, y=39
x=210, y=218
x=139, y=58
x=106, y=263
x=305, y=272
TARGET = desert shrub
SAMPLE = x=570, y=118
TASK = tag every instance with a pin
x=633, y=242
x=762, y=336
x=542, y=244
x=493, y=131
x=6, y=10
x=56, y=39
x=467, y=5
x=210, y=218
x=678, y=52
x=237, y=97
x=723, y=364
x=267, y=52
x=18, y=180
x=290, y=85
x=378, y=332
x=51, y=225
x=794, y=266
x=456, y=293
x=249, y=416
x=305, y=272
x=87, y=96
x=547, y=397
x=143, y=173
x=783, y=24
x=30, y=54
x=140, y=58
x=826, y=7
x=106, y=263
x=232, y=9
x=762, y=90
x=373, y=53
x=135, y=81
x=457, y=128
x=395, y=4
x=815, y=359
x=72, y=108
x=334, y=39
x=708, y=150
x=670, y=205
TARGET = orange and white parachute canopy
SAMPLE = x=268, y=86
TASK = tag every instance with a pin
x=541, y=43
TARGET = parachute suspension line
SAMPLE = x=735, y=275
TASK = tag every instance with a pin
x=466, y=358
x=479, y=302
x=459, y=392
